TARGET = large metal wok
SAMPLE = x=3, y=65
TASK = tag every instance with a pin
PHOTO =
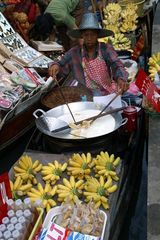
x=59, y=115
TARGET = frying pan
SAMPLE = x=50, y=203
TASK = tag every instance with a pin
x=57, y=115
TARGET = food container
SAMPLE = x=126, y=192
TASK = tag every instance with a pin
x=130, y=113
x=51, y=216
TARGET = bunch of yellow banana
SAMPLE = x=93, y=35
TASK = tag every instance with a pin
x=154, y=65
x=19, y=189
x=98, y=191
x=106, y=165
x=120, y=42
x=111, y=17
x=79, y=165
x=104, y=40
x=44, y=194
x=129, y=18
x=53, y=171
x=71, y=190
x=27, y=169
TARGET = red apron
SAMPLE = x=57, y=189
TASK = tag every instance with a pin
x=97, y=75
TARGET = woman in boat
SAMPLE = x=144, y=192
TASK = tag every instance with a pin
x=95, y=65
x=58, y=17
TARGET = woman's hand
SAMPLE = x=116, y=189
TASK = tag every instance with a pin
x=54, y=70
x=122, y=85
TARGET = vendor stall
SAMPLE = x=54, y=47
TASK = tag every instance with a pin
x=83, y=165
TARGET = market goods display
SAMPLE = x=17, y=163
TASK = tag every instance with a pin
x=111, y=17
x=45, y=194
x=119, y=19
x=82, y=177
x=70, y=189
x=79, y=165
x=105, y=165
x=19, y=218
x=154, y=65
x=27, y=169
x=81, y=218
x=98, y=191
x=120, y=42
x=53, y=171
x=129, y=18
x=18, y=188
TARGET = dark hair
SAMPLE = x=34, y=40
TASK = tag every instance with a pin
x=44, y=24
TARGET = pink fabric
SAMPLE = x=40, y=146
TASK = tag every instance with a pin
x=97, y=74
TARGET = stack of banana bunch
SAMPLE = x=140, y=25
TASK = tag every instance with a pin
x=98, y=190
x=105, y=169
x=70, y=190
x=79, y=165
x=111, y=17
x=120, y=42
x=53, y=171
x=45, y=194
x=129, y=18
x=18, y=188
x=106, y=165
x=154, y=65
x=25, y=175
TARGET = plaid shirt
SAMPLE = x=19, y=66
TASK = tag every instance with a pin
x=72, y=62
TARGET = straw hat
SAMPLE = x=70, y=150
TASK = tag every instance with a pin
x=89, y=21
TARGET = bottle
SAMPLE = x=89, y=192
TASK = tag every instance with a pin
x=19, y=227
x=7, y=234
x=5, y=220
x=18, y=204
x=19, y=213
x=2, y=227
x=23, y=221
x=10, y=204
x=10, y=227
x=28, y=214
x=17, y=235
x=11, y=213
x=14, y=220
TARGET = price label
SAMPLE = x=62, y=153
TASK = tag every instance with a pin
x=149, y=89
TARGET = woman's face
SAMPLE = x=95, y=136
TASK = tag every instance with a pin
x=90, y=37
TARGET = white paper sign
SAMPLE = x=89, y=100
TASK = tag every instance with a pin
x=104, y=100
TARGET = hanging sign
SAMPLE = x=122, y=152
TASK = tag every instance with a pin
x=149, y=89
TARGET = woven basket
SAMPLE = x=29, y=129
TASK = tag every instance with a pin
x=139, y=3
x=71, y=94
